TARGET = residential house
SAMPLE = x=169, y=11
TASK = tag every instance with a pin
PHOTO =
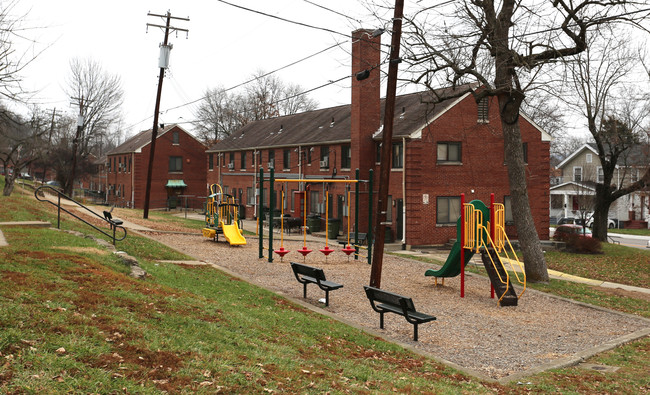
x=576, y=190
x=179, y=173
x=439, y=151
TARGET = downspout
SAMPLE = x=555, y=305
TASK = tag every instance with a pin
x=219, y=166
x=299, y=167
x=132, y=180
x=404, y=193
x=255, y=187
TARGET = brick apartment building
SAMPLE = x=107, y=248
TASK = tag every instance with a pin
x=438, y=152
x=178, y=171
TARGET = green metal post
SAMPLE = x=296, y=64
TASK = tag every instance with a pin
x=370, y=177
x=356, y=217
x=271, y=205
x=260, y=214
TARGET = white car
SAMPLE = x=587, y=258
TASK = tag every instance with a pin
x=611, y=224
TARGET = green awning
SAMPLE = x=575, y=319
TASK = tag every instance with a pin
x=176, y=184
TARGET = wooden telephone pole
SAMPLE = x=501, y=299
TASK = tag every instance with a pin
x=387, y=144
x=163, y=63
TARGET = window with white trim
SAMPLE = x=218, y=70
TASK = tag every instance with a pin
x=577, y=173
x=601, y=174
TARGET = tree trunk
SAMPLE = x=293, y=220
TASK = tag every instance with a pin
x=601, y=212
x=9, y=184
x=535, y=264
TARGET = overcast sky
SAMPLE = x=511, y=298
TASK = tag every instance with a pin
x=225, y=46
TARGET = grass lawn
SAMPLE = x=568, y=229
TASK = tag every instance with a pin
x=71, y=320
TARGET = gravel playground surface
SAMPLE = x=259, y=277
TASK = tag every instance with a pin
x=473, y=333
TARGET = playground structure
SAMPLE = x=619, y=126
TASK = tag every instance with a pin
x=349, y=249
x=222, y=217
x=480, y=229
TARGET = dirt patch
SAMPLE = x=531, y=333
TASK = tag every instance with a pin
x=88, y=250
x=625, y=293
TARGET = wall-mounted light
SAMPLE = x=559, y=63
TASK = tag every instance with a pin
x=378, y=32
x=362, y=75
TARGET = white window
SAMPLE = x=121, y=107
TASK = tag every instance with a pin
x=601, y=174
x=577, y=173
x=589, y=158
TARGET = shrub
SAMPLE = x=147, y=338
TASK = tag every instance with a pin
x=582, y=245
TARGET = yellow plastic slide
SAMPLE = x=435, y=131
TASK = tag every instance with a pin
x=232, y=234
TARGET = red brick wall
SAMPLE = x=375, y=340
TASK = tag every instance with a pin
x=365, y=107
x=482, y=170
x=193, y=172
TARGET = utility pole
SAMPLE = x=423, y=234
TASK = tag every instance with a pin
x=49, y=139
x=163, y=63
x=384, y=168
x=69, y=189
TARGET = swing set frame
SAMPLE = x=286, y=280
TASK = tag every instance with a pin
x=260, y=214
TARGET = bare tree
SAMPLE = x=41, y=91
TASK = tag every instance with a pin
x=219, y=115
x=98, y=95
x=265, y=96
x=11, y=62
x=20, y=145
x=502, y=48
x=614, y=110
x=295, y=101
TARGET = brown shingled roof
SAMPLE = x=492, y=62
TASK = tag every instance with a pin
x=135, y=143
x=332, y=125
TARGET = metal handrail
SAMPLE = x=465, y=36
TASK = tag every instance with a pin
x=60, y=194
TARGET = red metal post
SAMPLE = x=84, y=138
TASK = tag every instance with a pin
x=492, y=234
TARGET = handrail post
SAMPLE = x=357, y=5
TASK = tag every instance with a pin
x=58, y=217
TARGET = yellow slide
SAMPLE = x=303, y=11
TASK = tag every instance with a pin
x=232, y=234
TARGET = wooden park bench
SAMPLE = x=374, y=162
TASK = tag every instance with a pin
x=308, y=274
x=388, y=302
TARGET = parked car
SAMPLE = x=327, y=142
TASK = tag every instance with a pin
x=611, y=224
x=55, y=184
x=569, y=220
x=564, y=231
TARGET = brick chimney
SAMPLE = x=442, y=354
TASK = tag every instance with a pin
x=365, y=109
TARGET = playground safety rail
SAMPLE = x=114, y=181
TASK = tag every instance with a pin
x=502, y=240
x=478, y=235
x=41, y=191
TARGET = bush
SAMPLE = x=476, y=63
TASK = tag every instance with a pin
x=582, y=245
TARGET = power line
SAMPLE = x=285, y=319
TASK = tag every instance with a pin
x=284, y=19
x=261, y=76
x=333, y=11
x=338, y=44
